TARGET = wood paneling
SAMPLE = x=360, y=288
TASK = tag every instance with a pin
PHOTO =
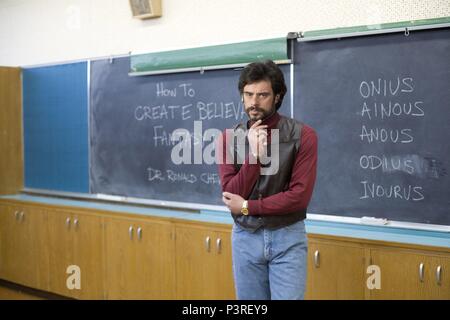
x=11, y=161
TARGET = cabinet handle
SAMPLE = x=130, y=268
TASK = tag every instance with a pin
x=438, y=275
x=68, y=223
x=208, y=244
x=317, y=259
x=16, y=215
x=22, y=216
x=75, y=224
x=219, y=245
x=130, y=232
x=139, y=233
x=421, y=271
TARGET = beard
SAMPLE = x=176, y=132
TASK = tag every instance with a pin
x=256, y=113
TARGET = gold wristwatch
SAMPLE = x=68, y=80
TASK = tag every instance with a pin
x=244, y=209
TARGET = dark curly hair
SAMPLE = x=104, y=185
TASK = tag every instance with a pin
x=264, y=70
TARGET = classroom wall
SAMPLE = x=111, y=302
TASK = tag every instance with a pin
x=34, y=32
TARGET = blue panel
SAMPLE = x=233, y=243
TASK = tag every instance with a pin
x=56, y=127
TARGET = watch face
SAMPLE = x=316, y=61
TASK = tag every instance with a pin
x=244, y=211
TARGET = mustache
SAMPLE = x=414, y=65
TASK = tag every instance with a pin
x=253, y=108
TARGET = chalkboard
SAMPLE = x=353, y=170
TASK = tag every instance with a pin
x=381, y=107
x=133, y=118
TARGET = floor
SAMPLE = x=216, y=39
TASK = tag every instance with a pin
x=16, y=294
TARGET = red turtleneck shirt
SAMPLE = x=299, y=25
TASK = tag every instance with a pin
x=303, y=176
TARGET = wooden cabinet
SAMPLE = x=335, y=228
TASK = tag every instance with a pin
x=140, y=259
x=411, y=274
x=339, y=270
x=76, y=241
x=203, y=262
x=123, y=256
x=11, y=161
x=24, y=246
x=335, y=270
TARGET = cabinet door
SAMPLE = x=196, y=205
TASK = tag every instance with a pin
x=3, y=234
x=61, y=250
x=8, y=241
x=440, y=276
x=196, y=275
x=412, y=274
x=401, y=274
x=224, y=265
x=140, y=259
x=155, y=249
x=24, y=247
x=335, y=271
x=203, y=265
x=121, y=278
x=76, y=244
x=34, y=239
x=88, y=254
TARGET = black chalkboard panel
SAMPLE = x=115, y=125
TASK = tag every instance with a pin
x=133, y=118
x=381, y=107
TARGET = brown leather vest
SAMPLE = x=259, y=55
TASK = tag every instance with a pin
x=267, y=185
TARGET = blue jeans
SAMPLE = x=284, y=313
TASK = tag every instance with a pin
x=270, y=264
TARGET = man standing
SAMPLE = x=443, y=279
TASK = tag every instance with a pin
x=269, y=243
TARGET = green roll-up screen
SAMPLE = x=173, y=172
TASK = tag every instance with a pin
x=212, y=56
x=384, y=28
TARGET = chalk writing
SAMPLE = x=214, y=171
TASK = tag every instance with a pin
x=173, y=176
x=372, y=190
x=386, y=100
x=386, y=87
